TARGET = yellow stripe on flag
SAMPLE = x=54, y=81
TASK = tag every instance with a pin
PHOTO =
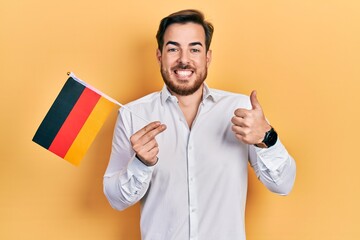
x=89, y=131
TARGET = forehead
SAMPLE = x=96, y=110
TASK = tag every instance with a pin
x=185, y=33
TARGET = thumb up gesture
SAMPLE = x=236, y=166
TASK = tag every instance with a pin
x=250, y=125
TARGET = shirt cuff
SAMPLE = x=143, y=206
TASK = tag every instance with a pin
x=273, y=157
x=139, y=169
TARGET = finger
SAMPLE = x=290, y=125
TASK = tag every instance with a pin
x=238, y=121
x=254, y=101
x=238, y=130
x=152, y=156
x=241, y=112
x=149, y=158
x=240, y=137
x=243, y=131
x=244, y=139
x=243, y=122
x=144, y=130
x=154, y=152
x=149, y=136
x=148, y=147
x=148, y=153
x=138, y=143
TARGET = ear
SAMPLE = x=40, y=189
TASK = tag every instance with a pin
x=208, y=57
x=158, y=55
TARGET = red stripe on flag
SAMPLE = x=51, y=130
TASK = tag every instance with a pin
x=74, y=122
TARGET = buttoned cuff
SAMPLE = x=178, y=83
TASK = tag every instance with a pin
x=274, y=157
x=139, y=169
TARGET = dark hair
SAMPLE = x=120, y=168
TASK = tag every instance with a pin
x=183, y=17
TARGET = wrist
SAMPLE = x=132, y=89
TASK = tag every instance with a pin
x=269, y=140
x=145, y=162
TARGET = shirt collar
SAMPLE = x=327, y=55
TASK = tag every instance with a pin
x=208, y=93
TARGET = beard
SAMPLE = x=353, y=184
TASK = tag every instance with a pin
x=182, y=89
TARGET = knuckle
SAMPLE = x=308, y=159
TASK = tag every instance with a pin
x=238, y=112
x=154, y=133
x=146, y=138
x=235, y=128
x=137, y=148
x=152, y=125
x=234, y=120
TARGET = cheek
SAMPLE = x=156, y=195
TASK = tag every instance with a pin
x=165, y=69
x=168, y=63
x=201, y=62
x=201, y=65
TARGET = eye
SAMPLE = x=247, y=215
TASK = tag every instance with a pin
x=195, y=50
x=172, y=50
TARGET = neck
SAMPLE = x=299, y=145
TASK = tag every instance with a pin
x=189, y=104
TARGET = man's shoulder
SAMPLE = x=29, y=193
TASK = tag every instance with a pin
x=230, y=99
x=227, y=94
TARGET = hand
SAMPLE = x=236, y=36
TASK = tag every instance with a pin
x=250, y=126
x=144, y=143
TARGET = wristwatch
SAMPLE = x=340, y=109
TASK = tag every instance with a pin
x=269, y=139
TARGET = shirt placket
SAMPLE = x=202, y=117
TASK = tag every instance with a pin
x=193, y=208
x=192, y=181
x=191, y=168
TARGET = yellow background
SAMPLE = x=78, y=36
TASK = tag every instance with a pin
x=303, y=58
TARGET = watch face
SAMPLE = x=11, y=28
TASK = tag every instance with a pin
x=271, y=138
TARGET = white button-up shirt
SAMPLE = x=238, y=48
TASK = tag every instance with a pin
x=197, y=190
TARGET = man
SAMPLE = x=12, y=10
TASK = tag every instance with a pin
x=188, y=167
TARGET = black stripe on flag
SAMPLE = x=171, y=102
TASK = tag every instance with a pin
x=58, y=113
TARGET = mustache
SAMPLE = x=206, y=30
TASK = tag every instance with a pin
x=182, y=66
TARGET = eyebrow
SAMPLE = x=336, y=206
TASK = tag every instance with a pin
x=173, y=43
x=196, y=43
x=178, y=44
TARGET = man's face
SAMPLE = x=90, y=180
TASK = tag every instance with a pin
x=184, y=60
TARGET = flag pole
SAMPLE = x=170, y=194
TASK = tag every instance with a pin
x=70, y=74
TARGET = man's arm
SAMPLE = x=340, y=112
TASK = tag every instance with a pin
x=274, y=167
x=130, y=168
x=272, y=164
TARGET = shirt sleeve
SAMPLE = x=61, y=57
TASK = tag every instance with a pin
x=126, y=179
x=274, y=167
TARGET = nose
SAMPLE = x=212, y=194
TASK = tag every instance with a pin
x=184, y=57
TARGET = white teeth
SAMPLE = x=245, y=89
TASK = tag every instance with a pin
x=183, y=73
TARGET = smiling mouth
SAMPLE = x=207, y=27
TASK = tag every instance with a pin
x=183, y=73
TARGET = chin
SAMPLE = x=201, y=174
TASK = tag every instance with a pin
x=183, y=89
